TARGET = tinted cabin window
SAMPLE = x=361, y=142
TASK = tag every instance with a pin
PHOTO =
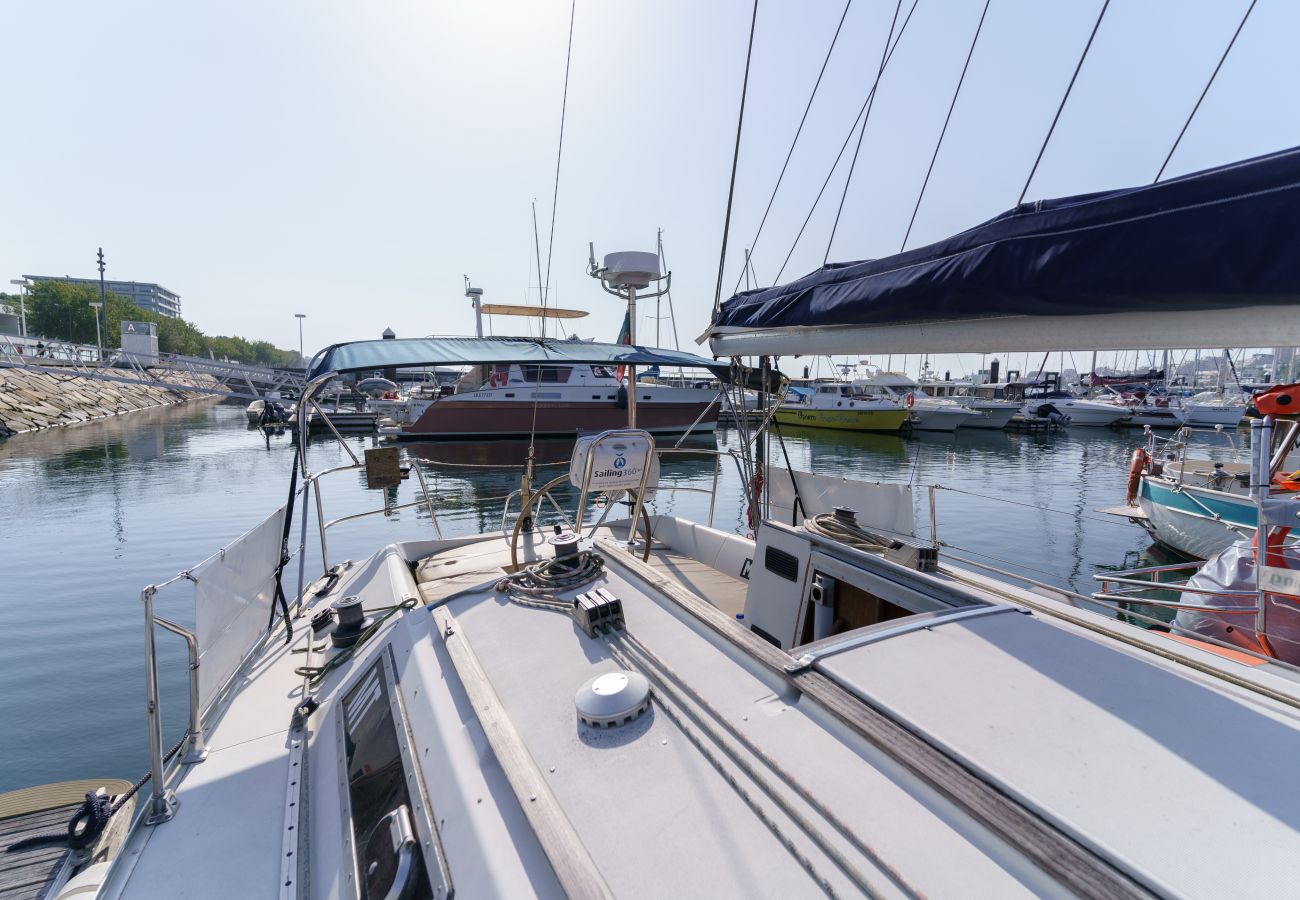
x=377, y=787
x=546, y=374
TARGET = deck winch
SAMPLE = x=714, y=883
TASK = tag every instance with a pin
x=352, y=622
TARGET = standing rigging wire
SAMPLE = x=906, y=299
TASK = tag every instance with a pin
x=559, y=151
x=1056, y=118
x=862, y=132
x=537, y=246
x=735, y=161
x=1213, y=75
x=943, y=131
x=844, y=146
x=798, y=131
x=663, y=264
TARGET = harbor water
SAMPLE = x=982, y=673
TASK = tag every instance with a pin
x=94, y=513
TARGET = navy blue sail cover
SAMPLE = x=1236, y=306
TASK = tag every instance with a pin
x=367, y=356
x=1215, y=239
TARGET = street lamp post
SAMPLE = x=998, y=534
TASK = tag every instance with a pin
x=22, y=304
x=99, y=341
x=301, y=356
x=103, y=301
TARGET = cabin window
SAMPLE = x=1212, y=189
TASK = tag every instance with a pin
x=546, y=374
x=385, y=833
x=601, y=372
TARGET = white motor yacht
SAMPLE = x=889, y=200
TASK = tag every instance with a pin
x=928, y=413
x=1042, y=402
x=995, y=414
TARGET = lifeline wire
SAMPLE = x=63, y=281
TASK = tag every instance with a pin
x=943, y=131
x=843, y=147
x=1057, y=117
x=862, y=132
x=1213, y=75
x=785, y=165
x=735, y=161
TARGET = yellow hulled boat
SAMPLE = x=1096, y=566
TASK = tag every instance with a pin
x=834, y=406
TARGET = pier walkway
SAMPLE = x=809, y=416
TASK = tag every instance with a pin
x=170, y=371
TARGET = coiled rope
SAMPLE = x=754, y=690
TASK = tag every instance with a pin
x=539, y=584
x=830, y=526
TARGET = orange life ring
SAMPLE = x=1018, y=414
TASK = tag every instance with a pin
x=1136, y=467
x=910, y=399
x=1273, y=555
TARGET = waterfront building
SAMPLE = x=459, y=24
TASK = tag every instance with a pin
x=144, y=294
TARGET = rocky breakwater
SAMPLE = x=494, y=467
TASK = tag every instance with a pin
x=30, y=401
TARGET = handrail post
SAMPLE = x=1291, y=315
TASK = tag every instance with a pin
x=162, y=802
x=196, y=749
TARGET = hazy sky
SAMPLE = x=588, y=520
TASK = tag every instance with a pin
x=353, y=160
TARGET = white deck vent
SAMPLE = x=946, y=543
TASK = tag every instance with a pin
x=613, y=699
x=631, y=268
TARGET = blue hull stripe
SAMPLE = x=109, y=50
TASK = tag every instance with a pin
x=1238, y=511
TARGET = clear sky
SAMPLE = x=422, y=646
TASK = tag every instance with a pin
x=353, y=160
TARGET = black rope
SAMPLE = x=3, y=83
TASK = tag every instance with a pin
x=559, y=150
x=1068, y=88
x=862, y=132
x=90, y=819
x=735, y=161
x=284, y=555
x=798, y=500
x=943, y=131
x=1213, y=75
x=844, y=146
x=785, y=165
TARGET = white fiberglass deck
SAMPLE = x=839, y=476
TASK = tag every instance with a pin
x=742, y=779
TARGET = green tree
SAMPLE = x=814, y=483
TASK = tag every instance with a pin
x=62, y=311
x=56, y=309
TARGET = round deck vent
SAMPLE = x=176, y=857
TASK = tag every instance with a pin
x=613, y=699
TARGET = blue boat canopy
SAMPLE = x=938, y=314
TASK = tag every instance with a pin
x=1079, y=272
x=370, y=356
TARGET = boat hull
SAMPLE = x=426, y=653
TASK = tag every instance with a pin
x=496, y=419
x=1209, y=416
x=886, y=420
x=1196, y=522
x=942, y=418
x=1087, y=415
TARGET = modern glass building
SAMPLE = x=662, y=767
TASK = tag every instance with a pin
x=144, y=294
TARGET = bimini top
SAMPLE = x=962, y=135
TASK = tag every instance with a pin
x=368, y=356
x=1083, y=272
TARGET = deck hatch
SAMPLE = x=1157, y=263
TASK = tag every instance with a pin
x=379, y=786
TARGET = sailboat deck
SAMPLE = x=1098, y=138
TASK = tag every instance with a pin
x=742, y=778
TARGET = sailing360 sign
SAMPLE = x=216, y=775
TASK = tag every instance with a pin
x=617, y=463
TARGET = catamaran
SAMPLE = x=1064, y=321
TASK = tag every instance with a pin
x=515, y=400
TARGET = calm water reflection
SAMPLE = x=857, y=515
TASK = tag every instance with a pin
x=94, y=513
